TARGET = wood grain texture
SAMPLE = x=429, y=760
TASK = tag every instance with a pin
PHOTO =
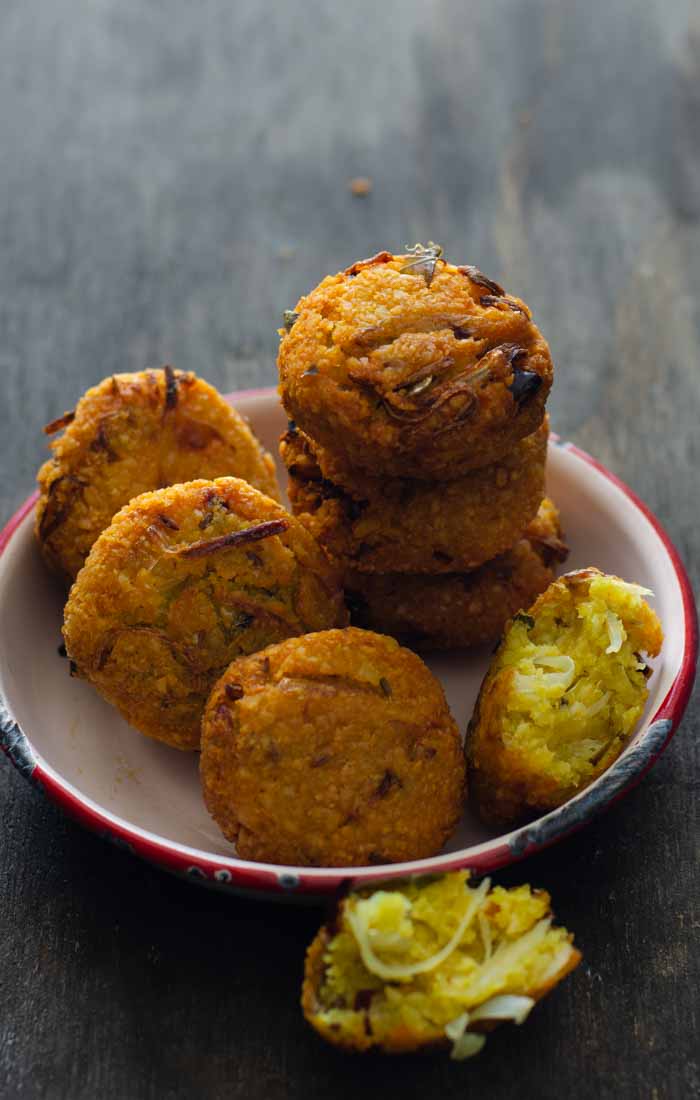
x=173, y=176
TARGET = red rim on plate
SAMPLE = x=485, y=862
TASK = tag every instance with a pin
x=250, y=877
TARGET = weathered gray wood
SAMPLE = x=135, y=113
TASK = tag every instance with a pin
x=173, y=176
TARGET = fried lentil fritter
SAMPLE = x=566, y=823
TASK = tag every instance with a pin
x=456, y=610
x=183, y=581
x=424, y=961
x=130, y=434
x=402, y=526
x=405, y=373
x=333, y=749
x=562, y=696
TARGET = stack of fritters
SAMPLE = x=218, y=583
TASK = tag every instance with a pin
x=417, y=445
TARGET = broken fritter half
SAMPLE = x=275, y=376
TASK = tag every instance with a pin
x=562, y=697
x=429, y=961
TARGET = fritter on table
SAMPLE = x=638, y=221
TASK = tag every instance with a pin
x=333, y=749
x=562, y=696
x=456, y=610
x=404, y=526
x=408, y=366
x=183, y=581
x=427, y=961
x=130, y=434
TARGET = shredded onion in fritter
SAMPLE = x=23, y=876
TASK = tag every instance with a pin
x=397, y=972
x=635, y=589
x=595, y=708
x=506, y=1006
x=485, y=930
x=557, y=963
x=456, y=1028
x=507, y=956
x=467, y=1046
x=562, y=675
x=559, y=662
x=616, y=632
x=464, y=1044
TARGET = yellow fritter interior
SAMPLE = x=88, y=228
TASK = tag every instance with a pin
x=422, y=961
x=579, y=683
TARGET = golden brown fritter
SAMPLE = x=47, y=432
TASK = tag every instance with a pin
x=422, y=962
x=456, y=610
x=407, y=375
x=403, y=526
x=183, y=581
x=562, y=696
x=333, y=749
x=130, y=434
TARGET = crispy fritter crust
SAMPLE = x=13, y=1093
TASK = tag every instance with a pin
x=130, y=434
x=402, y=1040
x=409, y=378
x=333, y=749
x=403, y=526
x=505, y=786
x=458, y=610
x=183, y=581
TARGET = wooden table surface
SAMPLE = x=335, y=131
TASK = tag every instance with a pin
x=174, y=174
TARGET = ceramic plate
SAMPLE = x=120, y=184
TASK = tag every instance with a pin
x=140, y=794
